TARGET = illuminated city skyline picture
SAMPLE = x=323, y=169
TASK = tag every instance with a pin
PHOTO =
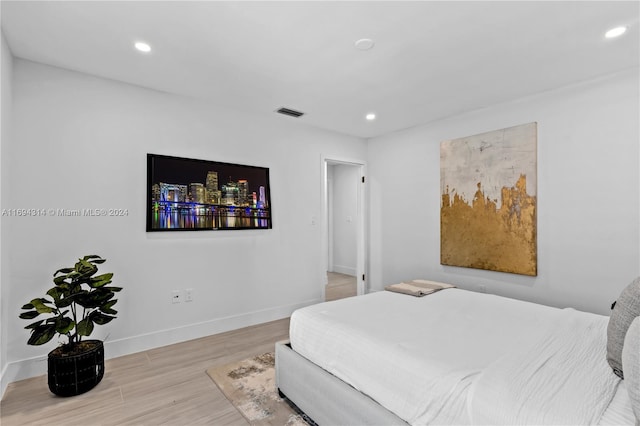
x=185, y=194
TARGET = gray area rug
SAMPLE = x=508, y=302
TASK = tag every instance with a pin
x=250, y=386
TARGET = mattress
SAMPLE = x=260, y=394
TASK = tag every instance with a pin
x=421, y=358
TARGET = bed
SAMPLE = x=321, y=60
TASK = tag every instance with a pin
x=452, y=357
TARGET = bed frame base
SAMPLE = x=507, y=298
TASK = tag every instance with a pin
x=322, y=396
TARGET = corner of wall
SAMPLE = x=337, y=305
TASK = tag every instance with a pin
x=6, y=66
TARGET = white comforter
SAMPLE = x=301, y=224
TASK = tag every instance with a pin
x=431, y=360
x=561, y=379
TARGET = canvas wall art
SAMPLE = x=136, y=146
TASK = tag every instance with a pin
x=185, y=194
x=488, y=205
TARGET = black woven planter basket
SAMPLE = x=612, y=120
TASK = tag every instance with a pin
x=76, y=374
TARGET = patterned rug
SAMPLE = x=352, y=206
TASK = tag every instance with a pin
x=250, y=386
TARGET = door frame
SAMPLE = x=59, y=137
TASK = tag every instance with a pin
x=361, y=263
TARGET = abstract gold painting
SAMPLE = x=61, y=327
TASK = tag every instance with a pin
x=489, y=201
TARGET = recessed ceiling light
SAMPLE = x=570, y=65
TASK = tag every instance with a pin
x=364, y=44
x=615, y=32
x=371, y=116
x=142, y=47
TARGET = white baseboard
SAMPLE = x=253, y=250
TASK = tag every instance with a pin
x=347, y=270
x=32, y=367
x=3, y=385
x=23, y=369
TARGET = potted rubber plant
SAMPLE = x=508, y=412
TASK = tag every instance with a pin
x=78, y=301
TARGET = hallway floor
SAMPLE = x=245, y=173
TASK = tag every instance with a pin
x=340, y=286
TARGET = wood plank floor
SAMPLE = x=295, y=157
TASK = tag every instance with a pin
x=339, y=286
x=161, y=386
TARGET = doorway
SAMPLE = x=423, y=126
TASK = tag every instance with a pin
x=343, y=229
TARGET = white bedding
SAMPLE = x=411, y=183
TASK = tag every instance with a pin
x=561, y=379
x=619, y=411
x=420, y=357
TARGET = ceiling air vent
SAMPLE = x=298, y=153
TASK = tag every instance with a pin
x=290, y=112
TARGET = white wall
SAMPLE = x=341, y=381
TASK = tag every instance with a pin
x=344, y=212
x=588, y=200
x=6, y=68
x=81, y=142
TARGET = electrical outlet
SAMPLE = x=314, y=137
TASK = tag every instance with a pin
x=188, y=295
x=175, y=296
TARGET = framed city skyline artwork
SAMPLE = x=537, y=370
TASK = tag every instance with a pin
x=488, y=209
x=185, y=194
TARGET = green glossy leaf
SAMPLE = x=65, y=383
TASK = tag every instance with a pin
x=29, y=314
x=110, y=303
x=64, y=287
x=42, y=334
x=64, y=325
x=27, y=306
x=108, y=311
x=55, y=293
x=100, y=318
x=63, y=303
x=34, y=324
x=100, y=280
x=85, y=327
x=103, y=294
x=88, y=299
x=85, y=275
x=63, y=271
x=86, y=268
x=107, y=307
x=94, y=259
x=60, y=279
x=39, y=305
x=106, y=276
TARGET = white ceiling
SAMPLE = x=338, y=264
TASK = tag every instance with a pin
x=431, y=59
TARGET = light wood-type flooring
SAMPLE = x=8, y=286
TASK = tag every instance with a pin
x=161, y=386
x=339, y=286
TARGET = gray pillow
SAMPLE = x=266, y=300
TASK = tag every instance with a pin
x=626, y=308
x=631, y=365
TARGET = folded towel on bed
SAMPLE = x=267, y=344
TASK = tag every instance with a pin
x=418, y=288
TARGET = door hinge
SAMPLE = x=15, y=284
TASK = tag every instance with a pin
x=362, y=179
x=362, y=277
